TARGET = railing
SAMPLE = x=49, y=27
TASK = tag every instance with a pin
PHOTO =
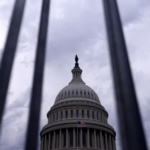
x=131, y=130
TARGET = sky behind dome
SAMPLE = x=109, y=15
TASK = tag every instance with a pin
x=75, y=27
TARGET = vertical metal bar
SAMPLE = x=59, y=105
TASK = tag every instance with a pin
x=9, y=52
x=35, y=103
x=131, y=130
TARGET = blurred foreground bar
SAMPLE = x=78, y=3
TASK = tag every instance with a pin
x=36, y=95
x=130, y=125
x=9, y=52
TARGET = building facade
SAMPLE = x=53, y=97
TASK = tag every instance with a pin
x=77, y=120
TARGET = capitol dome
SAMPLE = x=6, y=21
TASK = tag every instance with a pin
x=77, y=120
x=77, y=88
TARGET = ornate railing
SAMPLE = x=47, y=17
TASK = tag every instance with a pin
x=131, y=130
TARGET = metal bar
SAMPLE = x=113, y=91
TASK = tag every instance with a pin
x=35, y=103
x=9, y=52
x=131, y=130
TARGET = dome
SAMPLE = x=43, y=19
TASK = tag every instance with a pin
x=77, y=88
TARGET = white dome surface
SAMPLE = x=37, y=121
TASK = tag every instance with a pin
x=77, y=88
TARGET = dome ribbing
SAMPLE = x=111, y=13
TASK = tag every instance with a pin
x=77, y=88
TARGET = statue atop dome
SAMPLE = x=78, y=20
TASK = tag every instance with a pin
x=76, y=64
x=76, y=59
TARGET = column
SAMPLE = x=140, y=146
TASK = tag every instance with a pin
x=106, y=141
x=74, y=138
x=41, y=147
x=93, y=142
x=98, y=141
x=110, y=143
x=95, y=146
x=114, y=144
x=49, y=141
x=45, y=142
x=113, y=147
x=67, y=138
x=77, y=135
x=88, y=138
x=54, y=140
x=81, y=138
x=101, y=141
x=60, y=139
x=57, y=140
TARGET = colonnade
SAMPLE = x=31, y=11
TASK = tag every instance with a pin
x=78, y=137
x=77, y=113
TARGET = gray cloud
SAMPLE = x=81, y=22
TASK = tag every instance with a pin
x=75, y=27
x=14, y=123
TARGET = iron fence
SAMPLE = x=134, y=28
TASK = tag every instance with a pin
x=131, y=130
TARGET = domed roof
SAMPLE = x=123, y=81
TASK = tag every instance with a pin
x=77, y=88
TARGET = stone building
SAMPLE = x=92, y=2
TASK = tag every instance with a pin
x=75, y=103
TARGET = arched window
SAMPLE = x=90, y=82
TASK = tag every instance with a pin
x=101, y=118
x=66, y=114
x=53, y=117
x=57, y=116
x=97, y=116
x=61, y=115
x=82, y=113
x=71, y=113
x=93, y=114
x=92, y=95
x=88, y=114
x=77, y=113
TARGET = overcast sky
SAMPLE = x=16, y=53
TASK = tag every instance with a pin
x=75, y=27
